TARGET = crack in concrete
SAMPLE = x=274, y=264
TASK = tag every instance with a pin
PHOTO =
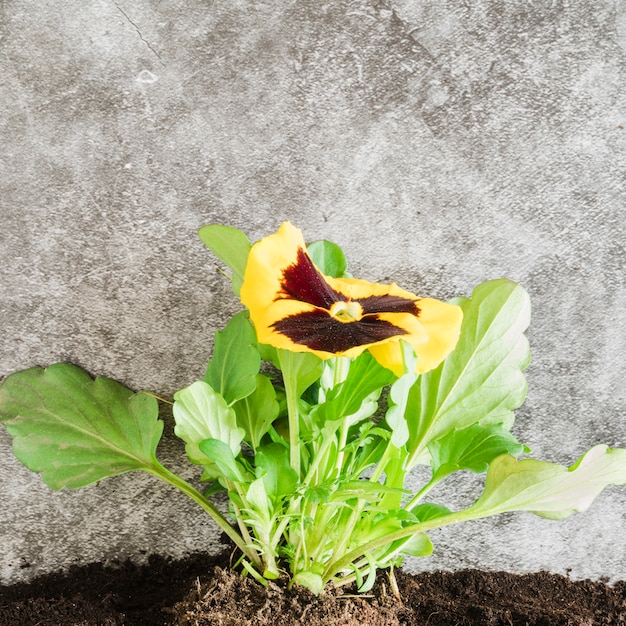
x=136, y=27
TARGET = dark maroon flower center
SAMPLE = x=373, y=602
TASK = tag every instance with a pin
x=319, y=330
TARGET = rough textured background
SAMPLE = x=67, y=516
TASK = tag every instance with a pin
x=440, y=143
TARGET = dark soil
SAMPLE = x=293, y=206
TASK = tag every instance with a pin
x=153, y=595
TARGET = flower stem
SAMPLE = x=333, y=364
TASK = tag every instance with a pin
x=290, y=380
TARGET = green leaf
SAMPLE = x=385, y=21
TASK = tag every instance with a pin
x=201, y=413
x=368, y=448
x=481, y=380
x=429, y=510
x=301, y=368
x=236, y=361
x=272, y=464
x=375, y=524
x=472, y=449
x=268, y=353
x=310, y=580
x=75, y=430
x=366, y=377
x=418, y=544
x=258, y=500
x=328, y=257
x=371, y=491
x=256, y=412
x=220, y=454
x=548, y=489
x=372, y=568
x=399, y=396
x=229, y=245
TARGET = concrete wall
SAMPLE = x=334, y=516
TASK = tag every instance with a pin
x=440, y=143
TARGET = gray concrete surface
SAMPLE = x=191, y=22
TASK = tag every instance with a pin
x=440, y=143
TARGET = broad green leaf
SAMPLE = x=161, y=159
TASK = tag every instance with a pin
x=201, y=413
x=230, y=246
x=481, y=380
x=328, y=257
x=256, y=412
x=366, y=377
x=272, y=464
x=220, y=454
x=548, y=489
x=471, y=448
x=232, y=370
x=75, y=430
x=300, y=369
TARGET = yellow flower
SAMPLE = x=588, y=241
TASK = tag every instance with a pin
x=294, y=306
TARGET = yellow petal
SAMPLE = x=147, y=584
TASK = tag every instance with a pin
x=268, y=258
x=356, y=288
x=441, y=325
x=264, y=293
x=290, y=304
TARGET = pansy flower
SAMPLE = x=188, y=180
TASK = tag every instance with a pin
x=294, y=306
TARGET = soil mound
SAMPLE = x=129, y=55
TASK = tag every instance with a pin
x=201, y=591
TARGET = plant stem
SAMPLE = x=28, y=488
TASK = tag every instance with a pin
x=420, y=494
x=159, y=398
x=176, y=481
x=333, y=568
x=291, y=394
x=342, y=367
